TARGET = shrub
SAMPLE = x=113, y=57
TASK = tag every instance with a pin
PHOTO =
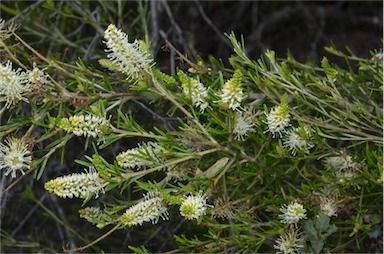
x=267, y=155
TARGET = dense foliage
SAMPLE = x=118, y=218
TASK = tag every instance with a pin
x=262, y=155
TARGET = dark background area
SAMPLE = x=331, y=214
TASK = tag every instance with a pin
x=195, y=28
x=304, y=27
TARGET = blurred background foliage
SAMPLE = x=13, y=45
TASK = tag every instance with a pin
x=73, y=30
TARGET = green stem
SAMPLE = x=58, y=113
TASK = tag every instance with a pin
x=177, y=104
x=97, y=240
x=189, y=157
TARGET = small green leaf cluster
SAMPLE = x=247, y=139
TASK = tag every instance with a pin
x=318, y=234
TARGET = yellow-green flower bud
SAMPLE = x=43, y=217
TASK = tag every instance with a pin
x=85, y=125
x=232, y=93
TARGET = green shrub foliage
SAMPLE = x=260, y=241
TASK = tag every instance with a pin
x=265, y=155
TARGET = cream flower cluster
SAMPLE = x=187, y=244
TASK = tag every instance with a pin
x=95, y=216
x=194, y=90
x=14, y=155
x=278, y=119
x=346, y=168
x=36, y=86
x=328, y=206
x=243, y=125
x=232, y=93
x=84, y=125
x=90, y=213
x=339, y=162
x=150, y=209
x=80, y=185
x=299, y=139
x=292, y=213
x=36, y=76
x=130, y=59
x=289, y=243
x=138, y=157
x=12, y=84
x=193, y=207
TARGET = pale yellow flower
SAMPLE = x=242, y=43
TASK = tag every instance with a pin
x=139, y=157
x=345, y=168
x=150, y=209
x=80, y=185
x=5, y=33
x=289, y=243
x=278, y=118
x=12, y=84
x=194, y=90
x=85, y=125
x=232, y=94
x=36, y=76
x=194, y=206
x=328, y=206
x=339, y=163
x=14, y=156
x=292, y=213
x=243, y=125
x=129, y=57
x=299, y=139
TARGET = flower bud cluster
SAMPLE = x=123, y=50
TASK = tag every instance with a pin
x=129, y=57
x=84, y=125
x=194, y=90
x=90, y=213
x=232, y=94
x=150, y=209
x=100, y=167
x=80, y=185
x=278, y=118
x=95, y=216
x=139, y=157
